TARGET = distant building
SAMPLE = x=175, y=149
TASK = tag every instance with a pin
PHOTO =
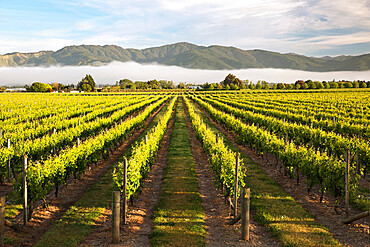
x=15, y=90
x=195, y=87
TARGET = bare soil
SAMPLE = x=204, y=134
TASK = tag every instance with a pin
x=44, y=217
x=217, y=212
x=139, y=223
x=355, y=234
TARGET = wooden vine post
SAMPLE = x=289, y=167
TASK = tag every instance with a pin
x=2, y=220
x=9, y=162
x=347, y=183
x=286, y=139
x=245, y=208
x=235, y=202
x=124, y=192
x=25, y=205
x=115, y=216
x=54, y=132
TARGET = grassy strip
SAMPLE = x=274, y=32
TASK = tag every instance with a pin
x=360, y=199
x=178, y=217
x=77, y=222
x=278, y=211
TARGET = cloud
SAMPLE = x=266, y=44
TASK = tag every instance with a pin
x=27, y=44
x=336, y=40
x=115, y=71
x=306, y=26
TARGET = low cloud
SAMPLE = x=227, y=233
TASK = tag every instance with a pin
x=20, y=76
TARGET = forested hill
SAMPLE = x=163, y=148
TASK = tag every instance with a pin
x=186, y=55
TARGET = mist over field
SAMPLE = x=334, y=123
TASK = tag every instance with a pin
x=109, y=74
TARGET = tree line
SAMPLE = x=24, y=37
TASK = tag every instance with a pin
x=231, y=82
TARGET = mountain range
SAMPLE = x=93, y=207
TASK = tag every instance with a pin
x=186, y=55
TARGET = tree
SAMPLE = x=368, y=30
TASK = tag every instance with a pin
x=243, y=86
x=274, y=86
x=258, y=86
x=266, y=87
x=219, y=86
x=356, y=84
x=289, y=86
x=141, y=85
x=300, y=83
x=211, y=87
x=232, y=79
x=166, y=84
x=86, y=80
x=333, y=84
x=86, y=88
x=310, y=84
x=40, y=87
x=153, y=84
x=181, y=85
x=280, y=86
x=232, y=86
x=319, y=85
x=125, y=83
x=227, y=87
x=237, y=82
x=348, y=84
x=326, y=84
x=206, y=85
x=363, y=84
x=56, y=86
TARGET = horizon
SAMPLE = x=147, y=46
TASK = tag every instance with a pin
x=310, y=28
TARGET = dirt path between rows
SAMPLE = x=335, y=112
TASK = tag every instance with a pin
x=139, y=223
x=355, y=234
x=44, y=218
x=217, y=213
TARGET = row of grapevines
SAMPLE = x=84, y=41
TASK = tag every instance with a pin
x=331, y=142
x=344, y=104
x=327, y=172
x=340, y=127
x=222, y=159
x=23, y=112
x=143, y=154
x=317, y=110
x=43, y=175
x=26, y=118
x=61, y=121
x=41, y=148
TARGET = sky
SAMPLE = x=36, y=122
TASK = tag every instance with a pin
x=307, y=27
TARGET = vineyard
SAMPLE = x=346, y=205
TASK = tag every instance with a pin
x=180, y=162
